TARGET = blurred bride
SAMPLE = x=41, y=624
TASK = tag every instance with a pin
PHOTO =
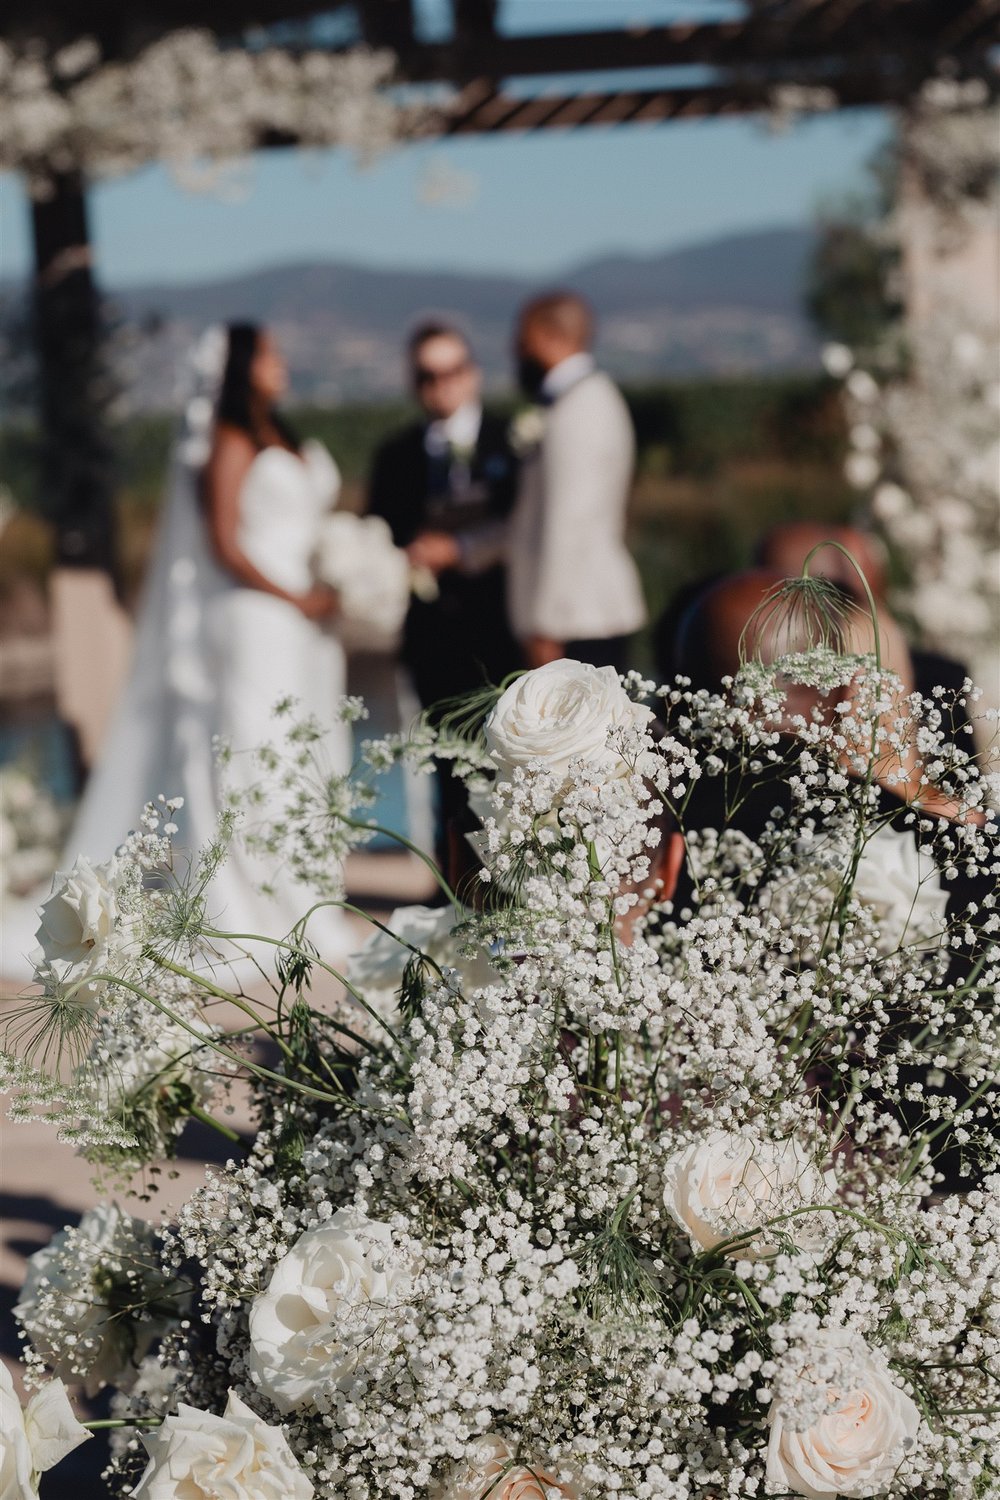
x=232, y=621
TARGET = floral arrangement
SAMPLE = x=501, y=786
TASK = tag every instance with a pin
x=357, y=557
x=658, y=1162
x=32, y=826
x=185, y=99
x=923, y=408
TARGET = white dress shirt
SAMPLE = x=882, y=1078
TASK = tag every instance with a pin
x=460, y=430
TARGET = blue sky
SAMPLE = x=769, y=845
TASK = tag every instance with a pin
x=531, y=204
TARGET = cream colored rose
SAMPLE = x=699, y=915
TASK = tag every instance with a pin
x=560, y=713
x=726, y=1184
x=855, y=1448
x=198, y=1456
x=327, y=1300
x=34, y=1440
x=491, y=1470
x=77, y=928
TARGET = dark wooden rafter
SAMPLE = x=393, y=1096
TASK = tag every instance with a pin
x=786, y=35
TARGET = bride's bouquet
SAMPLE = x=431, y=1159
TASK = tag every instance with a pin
x=357, y=557
x=658, y=1163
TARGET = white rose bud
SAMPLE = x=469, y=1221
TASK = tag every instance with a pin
x=198, y=1456
x=853, y=1449
x=327, y=1299
x=563, y=712
x=727, y=1184
x=34, y=1440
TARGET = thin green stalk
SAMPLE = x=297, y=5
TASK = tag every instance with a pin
x=425, y=859
x=197, y=1113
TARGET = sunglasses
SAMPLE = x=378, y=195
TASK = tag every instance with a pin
x=423, y=377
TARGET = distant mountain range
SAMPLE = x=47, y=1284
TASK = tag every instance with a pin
x=725, y=306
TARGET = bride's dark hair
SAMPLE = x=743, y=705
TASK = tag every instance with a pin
x=235, y=404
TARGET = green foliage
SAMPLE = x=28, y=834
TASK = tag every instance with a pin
x=719, y=462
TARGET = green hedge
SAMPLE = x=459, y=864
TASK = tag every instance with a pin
x=720, y=461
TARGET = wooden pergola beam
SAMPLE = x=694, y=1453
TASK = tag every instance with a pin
x=786, y=34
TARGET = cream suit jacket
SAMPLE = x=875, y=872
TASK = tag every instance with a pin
x=570, y=575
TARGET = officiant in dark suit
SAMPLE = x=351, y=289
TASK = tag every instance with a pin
x=446, y=487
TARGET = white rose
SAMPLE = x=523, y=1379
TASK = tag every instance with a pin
x=560, y=713
x=34, y=1440
x=902, y=889
x=489, y=1471
x=358, y=557
x=727, y=1184
x=376, y=970
x=327, y=1299
x=76, y=932
x=198, y=1456
x=69, y=1303
x=855, y=1447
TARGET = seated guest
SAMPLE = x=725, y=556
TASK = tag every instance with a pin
x=726, y=626
x=786, y=548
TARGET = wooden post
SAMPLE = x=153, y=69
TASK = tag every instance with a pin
x=77, y=482
x=90, y=629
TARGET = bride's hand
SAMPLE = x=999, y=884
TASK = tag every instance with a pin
x=319, y=603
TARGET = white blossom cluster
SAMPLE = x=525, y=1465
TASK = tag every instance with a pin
x=663, y=1166
x=185, y=100
x=31, y=831
x=924, y=408
x=357, y=557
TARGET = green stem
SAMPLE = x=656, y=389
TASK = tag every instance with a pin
x=400, y=838
x=108, y=1424
x=205, y=1118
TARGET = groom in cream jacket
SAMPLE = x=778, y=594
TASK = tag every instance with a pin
x=573, y=588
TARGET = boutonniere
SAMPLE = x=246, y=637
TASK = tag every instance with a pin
x=526, y=430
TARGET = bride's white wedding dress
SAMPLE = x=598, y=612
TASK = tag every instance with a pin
x=211, y=659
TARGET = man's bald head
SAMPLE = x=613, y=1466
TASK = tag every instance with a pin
x=552, y=327
x=787, y=546
x=726, y=626
x=714, y=627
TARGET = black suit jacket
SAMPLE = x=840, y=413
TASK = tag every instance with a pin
x=460, y=641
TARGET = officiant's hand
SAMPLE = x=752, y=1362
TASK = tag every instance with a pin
x=434, y=550
x=319, y=603
x=541, y=649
